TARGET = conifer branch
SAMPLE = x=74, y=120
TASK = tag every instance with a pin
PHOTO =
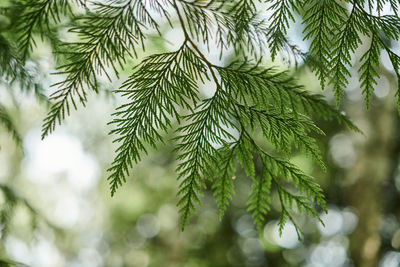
x=265, y=87
x=282, y=14
x=159, y=84
x=197, y=143
x=197, y=147
x=107, y=36
x=284, y=130
x=369, y=74
x=309, y=190
x=321, y=19
x=38, y=15
x=260, y=200
x=215, y=135
x=223, y=185
x=345, y=43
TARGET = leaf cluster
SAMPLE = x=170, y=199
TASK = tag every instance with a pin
x=216, y=137
x=336, y=34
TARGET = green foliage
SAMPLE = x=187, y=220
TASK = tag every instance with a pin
x=225, y=174
x=265, y=86
x=336, y=34
x=106, y=35
x=368, y=70
x=197, y=146
x=282, y=14
x=259, y=200
x=321, y=18
x=13, y=70
x=159, y=84
x=216, y=137
x=34, y=16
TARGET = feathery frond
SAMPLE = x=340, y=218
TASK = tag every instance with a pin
x=260, y=200
x=368, y=71
x=198, y=142
x=215, y=135
x=225, y=174
x=14, y=71
x=309, y=191
x=345, y=43
x=262, y=87
x=36, y=16
x=160, y=84
x=321, y=19
x=282, y=15
x=284, y=130
x=106, y=35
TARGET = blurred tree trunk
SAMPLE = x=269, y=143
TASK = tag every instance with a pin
x=376, y=158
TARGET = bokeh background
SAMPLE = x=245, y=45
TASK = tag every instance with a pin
x=56, y=209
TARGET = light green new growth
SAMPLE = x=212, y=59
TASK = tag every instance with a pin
x=215, y=137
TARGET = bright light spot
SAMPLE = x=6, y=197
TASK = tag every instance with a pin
x=382, y=88
x=148, y=225
x=68, y=210
x=342, y=150
x=208, y=89
x=396, y=240
x=45, y=65
x=296, y=38
x=350, y=221
x=174, y=39
x=59, y=154
x=90, y=257
x=168, y=216
x=391, y=259
x=386, y=9
x=352, y=90
x=385, y=59
x=331, y=254
x=46, y=254
x=333, y=223
x=289, y=238
x=18, y=250
x=245, y=226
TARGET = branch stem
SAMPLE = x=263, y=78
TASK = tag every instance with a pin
x=195, y=47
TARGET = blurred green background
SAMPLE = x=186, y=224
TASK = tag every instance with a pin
x=56, y=208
